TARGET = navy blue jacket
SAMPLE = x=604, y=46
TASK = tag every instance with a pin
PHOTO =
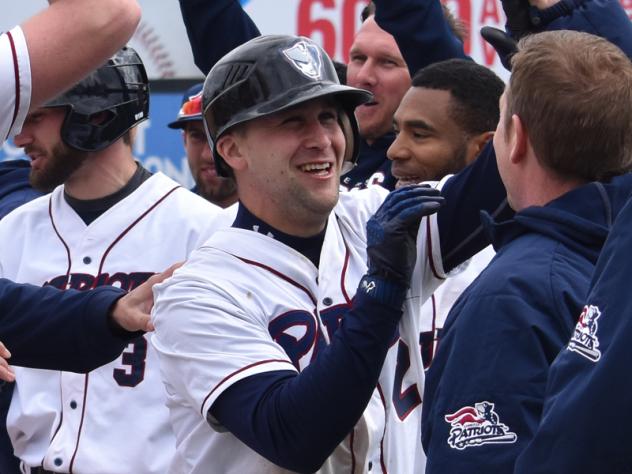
x=15, y=188
x=484, y=392
x=586, y=425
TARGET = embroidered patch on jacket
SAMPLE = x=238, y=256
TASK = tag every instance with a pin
x=585, y=341
x=477, y=425
x=306, y=58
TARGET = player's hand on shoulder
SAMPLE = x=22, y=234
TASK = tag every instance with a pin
x=6, y=373
x=392, y=231
x=132, y=311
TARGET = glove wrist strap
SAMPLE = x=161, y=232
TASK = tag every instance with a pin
x=383, y=290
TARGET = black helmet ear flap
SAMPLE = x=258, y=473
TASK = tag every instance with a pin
x=269, y=74
x=119, y=88
x=350, y=129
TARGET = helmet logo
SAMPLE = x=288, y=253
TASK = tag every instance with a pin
x=306, y=58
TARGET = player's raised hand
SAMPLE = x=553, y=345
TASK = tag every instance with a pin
x=6, y=373
x=132, y=311
x=392, y=231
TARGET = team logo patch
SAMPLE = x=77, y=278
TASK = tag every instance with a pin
x=306, y=58
x=477, y=425
x=584, y=340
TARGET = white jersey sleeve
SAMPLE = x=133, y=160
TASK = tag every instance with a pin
x=216, y=310
x=15, y=71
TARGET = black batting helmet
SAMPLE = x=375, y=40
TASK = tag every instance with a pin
x=269, y=74
x=120, y=88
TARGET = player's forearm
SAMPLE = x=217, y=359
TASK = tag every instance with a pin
x=297, y=420
x=420, y=30
x=215, y=28
x=71, y=38
x=50, y=329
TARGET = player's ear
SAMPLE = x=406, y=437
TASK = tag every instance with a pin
x=475, y=145
x=231, y=149
x=518, y=139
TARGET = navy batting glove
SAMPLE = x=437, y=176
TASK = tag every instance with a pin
x=504, y=44
x=392, y=232
x=518, y=17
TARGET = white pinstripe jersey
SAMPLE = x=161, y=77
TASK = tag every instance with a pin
x=114, y=419
x=15, y=80
x=270, y=308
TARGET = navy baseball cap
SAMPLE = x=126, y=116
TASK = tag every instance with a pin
x=191, y=108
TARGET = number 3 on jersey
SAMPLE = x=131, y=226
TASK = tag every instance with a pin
x=134, y=357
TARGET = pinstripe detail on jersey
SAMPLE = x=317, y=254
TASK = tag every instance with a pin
x=383, y=400
x=343, y=274
x=16, y=70
x=431, y=262
x=229, y=376
x=131, y=226
x=61, y=239
x=282, y=276
x=83, y=411
x=353, y=458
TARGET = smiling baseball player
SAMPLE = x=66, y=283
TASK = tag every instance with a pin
x=272, y=363
x=110, y=223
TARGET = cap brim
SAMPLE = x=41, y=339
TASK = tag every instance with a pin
x=181, y=122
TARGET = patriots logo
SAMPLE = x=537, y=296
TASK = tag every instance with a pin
x=306, y=58
x=477, y=425
x=585, y=341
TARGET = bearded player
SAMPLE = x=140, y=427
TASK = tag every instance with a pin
x=107, y=221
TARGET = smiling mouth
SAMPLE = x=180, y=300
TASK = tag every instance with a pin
x=318, y=169
x=407, y=181
x=36, y=158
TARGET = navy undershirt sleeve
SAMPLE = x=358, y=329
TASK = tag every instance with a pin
x=297, y=420
x=421, y=31
x=46, y=328
x=215, y=28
